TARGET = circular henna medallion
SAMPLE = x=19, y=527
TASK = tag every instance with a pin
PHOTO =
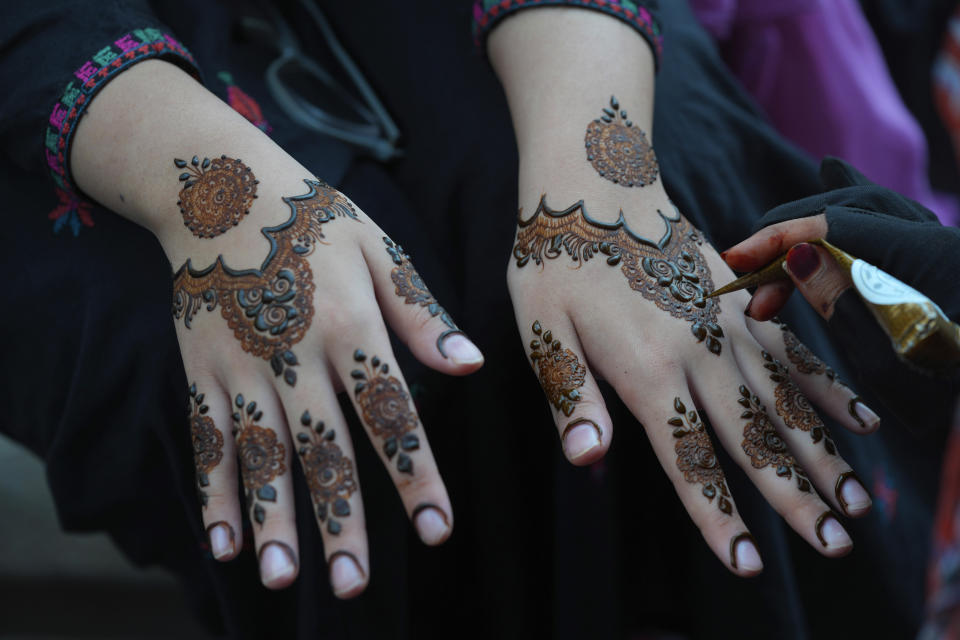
x=619, y=151
x=216, y=194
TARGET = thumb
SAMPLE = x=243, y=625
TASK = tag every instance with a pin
x=817, y=277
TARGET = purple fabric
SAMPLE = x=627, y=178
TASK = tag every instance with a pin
x=816, y=69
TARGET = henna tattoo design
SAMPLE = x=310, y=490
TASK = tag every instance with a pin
x=794, y=407
x=620, y=151
x=800, y=355
x=216, y=194
x=261, y=457
x=763, y=444
x=385, y=409
x=411, y=287
x=207, y=442
x=329, y=473
x=696, y=457
x=671, y=272
x=559, y=370
x=269, y=309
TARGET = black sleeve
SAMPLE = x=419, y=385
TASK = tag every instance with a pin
x=55, y=56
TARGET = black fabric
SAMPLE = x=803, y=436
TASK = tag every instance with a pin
x=93, y=380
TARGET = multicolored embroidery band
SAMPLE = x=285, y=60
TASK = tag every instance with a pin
x=93, y=75
x=487, y=13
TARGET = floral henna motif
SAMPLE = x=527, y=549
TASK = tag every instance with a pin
x=216, y=194
x=329, y=473
x=619, y=151
x=559, y=370
x=696, y=457
x=385, y=409
x=269, y=309
x=671, y=272
x=410, y=287
x=763, y=444
x=207, y=442
x=801, y=357
x=261, y=457
x=793, y=406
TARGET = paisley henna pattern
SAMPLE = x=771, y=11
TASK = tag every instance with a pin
x=763, y=444
x=411, y=287
x=619, y=151
x=559, y=370
x=385, y=409
x=216, y=194
x=207, y=442
x=800, y=356
x=261, y=457
x=269, y=309
x=329, y=473
x=793, y=406
x=671, y=272
x=696, y=457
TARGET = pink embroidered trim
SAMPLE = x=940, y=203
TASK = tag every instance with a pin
x=74, y=209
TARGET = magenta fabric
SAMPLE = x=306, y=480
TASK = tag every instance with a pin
x=816, y=69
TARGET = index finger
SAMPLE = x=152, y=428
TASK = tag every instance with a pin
x=765, y=245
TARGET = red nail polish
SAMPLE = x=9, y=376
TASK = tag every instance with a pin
x=803, y=260
x=723, y=256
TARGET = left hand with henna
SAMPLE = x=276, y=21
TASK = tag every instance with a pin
x=282, y=291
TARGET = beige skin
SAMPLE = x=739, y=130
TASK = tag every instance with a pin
x=126, y=144
x=559, y=67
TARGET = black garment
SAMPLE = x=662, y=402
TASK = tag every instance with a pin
x=93, y=380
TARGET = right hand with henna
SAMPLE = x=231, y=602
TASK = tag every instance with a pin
x=281, y=293
x=609, y=280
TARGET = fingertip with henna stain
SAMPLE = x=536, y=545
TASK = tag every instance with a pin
x=803, y=261
x=744, y=555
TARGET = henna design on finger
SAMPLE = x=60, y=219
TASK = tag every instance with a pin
x=411, y=287
x=800, y=355
x=261, y=457
x=696, y=457
x=670, y=272
x=216, y=194
x=385, y=409
x=329, y=473
x=269, y=309
x=794, y=407
x=207, y=442
x=763, y=445
x=559, y=370
x=619, y=151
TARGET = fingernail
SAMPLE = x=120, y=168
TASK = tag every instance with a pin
x=277, y=562
x=431, y=524
x=830, y=532
x=221, y=539
x=746, y=311
x=744, y=554
x=851, y=494
x=581, y=437
x=864, y=416
x=723, y=256
x=346, y=576
x=803, y=260
x=460, y=350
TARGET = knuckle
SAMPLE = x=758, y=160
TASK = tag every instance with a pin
x=347, y=315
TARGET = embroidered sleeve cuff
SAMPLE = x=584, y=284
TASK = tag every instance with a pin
x=93, y=75
x=639, y=14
